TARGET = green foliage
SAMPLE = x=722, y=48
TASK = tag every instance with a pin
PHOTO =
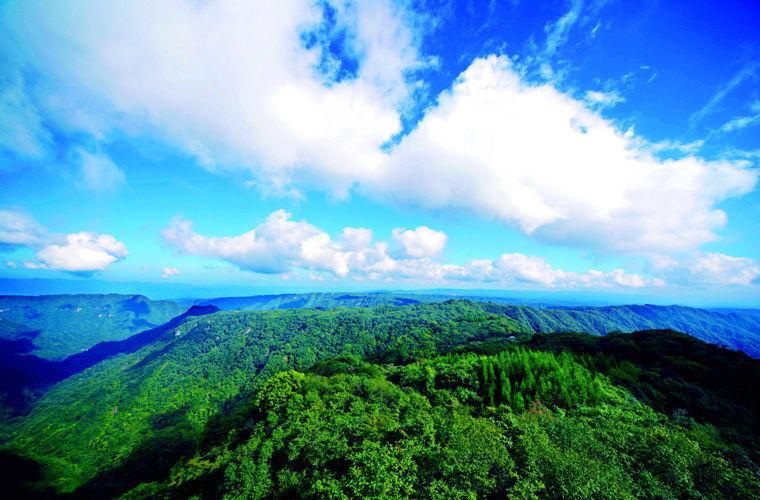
x=61, y=325
x=395, y=434
x=387, y=402
x=736, y=329
x=108, y=416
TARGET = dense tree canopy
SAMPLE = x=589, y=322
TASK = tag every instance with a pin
x=446, y=400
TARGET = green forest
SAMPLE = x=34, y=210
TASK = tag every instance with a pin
x=444, y=400
x=62, y=325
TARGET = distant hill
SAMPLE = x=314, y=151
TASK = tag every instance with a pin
x=22, y=376
x=61, y=325
x=737, y=329
x=316, y=300
x=57, y=326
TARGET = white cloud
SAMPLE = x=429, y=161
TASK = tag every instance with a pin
x=281, y=245
x=742, y=122
x=558, y=31
x=356, y=238
x=273, y=247
x=10, y=264
x=721, y=269
x=80, y=253
x=706, y=268
x=75, y=252
x=671, y=146
x=17, y=228
x=530, y=269
x=232, y=83
x=98, y=172
x=420, y=242
x=168, y=272
x=534, y=157
x=599, y=99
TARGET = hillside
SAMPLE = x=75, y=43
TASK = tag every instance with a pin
x=106, y=414
x=737, y=329
x=187, y=413
x=61, y=325
x=316, y=300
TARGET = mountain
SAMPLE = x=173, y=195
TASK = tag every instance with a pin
x=396, y=401
x=61, y=325
x=24, y=375
x=738, y=329
x=316, y=300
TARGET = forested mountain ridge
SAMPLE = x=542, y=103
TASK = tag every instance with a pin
x=187, y=414
x=103, y=415
x=23, y=377
x=57, y=326
x=60, y=325
x=737, y=329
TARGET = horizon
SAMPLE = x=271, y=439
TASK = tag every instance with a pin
x=177, y=291
x=569, y=147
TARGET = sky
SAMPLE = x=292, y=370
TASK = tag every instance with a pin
x=597, y=146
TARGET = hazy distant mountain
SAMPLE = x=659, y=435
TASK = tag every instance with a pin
x=60, y=325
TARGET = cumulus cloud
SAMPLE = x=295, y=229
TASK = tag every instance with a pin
x=541, y=160
x=197, y=77
x=168, y=272
x=17, y=228
x=83, y=252
x=282, y=245
x=718, y=268
x=233, y=82
x=420, y=242
x=98, y=172
x=274, y=246
x=707, y=268
x=531, y=269
x=76, y=252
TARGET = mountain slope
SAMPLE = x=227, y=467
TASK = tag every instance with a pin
x=520, y=424
x=22, y=374
x=62, y=325
x=123, y=409
x=735, y=330
x=199, y=411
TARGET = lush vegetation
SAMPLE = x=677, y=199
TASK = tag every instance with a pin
x=736, y=328
x=441, y=429
x=61, y=325
x=439, y=400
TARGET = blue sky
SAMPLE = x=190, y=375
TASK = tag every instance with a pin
x=569, y=145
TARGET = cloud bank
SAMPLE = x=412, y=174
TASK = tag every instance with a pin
x=280, y=245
